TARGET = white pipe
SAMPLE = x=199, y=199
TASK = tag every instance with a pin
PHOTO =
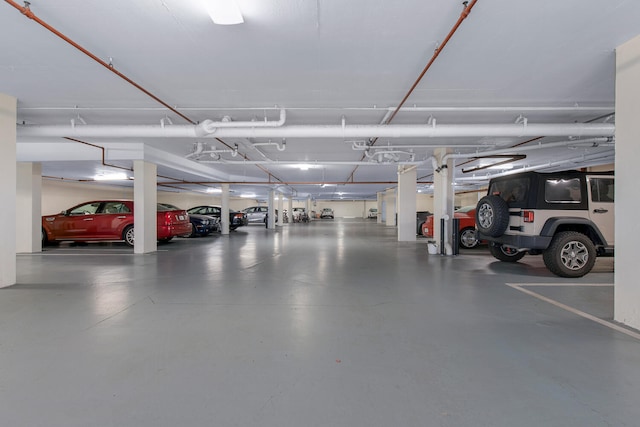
x=319, y=131
x=323, y=163
x=210, y=126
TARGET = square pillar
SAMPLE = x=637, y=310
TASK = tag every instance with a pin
x=443, y=196
x=8, y=118
x=379, y=200
x=390, y=207
x=271, y=211
x=224, y=210
x=281, y=209
x=407, y=177
x=29, y=208
x=626, y=290
x=145, y=209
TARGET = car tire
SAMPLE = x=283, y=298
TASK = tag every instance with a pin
x=44, y=237
x=194, y=232
x=570, y=254
x=492, y=216
x=128, y=235
x=468, y=238
x=504, y=253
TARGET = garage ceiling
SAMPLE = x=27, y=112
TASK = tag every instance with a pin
x=302, y=71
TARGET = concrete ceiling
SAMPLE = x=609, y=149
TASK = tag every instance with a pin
x=325, y=63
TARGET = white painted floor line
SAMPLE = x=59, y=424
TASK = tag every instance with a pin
x=575, y=311
x=560, y=284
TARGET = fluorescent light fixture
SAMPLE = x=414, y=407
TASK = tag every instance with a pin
x=224, y=12
x=248, y=196
x=111, y=177
x=214, y=190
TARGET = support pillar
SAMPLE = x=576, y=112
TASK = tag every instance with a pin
x=379, y=200
x=145, y=209
x=443, y=196
x=8, y=119
x=224, y=209
x=280, y=210
x=271, y=211
x=29, y=208
x=290, y=208
x=626, y=290
x=390, y=207
x=407, y=187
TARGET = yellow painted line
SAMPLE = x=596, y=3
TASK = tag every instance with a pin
x=573, y=310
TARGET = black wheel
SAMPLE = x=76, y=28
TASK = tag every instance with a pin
x=128, y=235
x=468, y=238
x=194, y=232
x=504, y=253
x=570, y=254
x=44, y=237
x=492, y=216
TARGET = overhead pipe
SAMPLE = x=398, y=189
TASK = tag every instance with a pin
x=322, y=131
x=211, y=126
x=323, y=163
x=436, y=53
x=26, y=11
x=279, y=146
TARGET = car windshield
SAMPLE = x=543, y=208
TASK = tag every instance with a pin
x=165, y=207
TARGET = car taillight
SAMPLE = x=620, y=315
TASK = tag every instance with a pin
x=168, y=218
x=527, y=216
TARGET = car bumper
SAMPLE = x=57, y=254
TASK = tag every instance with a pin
x=519, y=242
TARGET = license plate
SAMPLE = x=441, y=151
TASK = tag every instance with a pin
x=181, y=217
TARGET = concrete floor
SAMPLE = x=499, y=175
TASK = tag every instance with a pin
x=332, y=323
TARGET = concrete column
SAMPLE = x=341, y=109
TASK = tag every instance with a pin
x=308, y=207
x=390, y=205
x=281, y=209
x=407, y=187
x=224, y=209
x=290, y=208
x=271, y=211
x=627, y=291
x=145, y=209
x=29, y=208
x=379, y=200
x=8, y=118
x=443, y=195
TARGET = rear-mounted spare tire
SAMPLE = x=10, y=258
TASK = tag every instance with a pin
x=492, y=216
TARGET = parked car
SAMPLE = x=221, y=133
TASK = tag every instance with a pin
x=373, y=213
x=421, y=217
x=203, y=225
x=258, y=214
x=299, y=215
x=236, y=218
x=110, y=220
x=326, y=213
x=567, y=217
x=467, y=234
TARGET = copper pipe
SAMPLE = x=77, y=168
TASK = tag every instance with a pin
x=26, y=11
x=436, y=53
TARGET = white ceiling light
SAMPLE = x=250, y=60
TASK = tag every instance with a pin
x=214, y=190
x=111, y=177
x=224, y=12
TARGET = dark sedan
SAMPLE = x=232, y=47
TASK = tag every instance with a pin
x=236, y=218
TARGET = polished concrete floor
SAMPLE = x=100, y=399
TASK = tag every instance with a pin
x=332, y=323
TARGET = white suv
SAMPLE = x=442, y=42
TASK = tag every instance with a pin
x=568, y=217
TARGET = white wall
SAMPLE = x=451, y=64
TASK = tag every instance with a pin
x=627, y=291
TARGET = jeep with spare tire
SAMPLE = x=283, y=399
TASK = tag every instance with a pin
x=568, y=217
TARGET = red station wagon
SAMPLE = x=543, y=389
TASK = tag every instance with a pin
x=108, y=220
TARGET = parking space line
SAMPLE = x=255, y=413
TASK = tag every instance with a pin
x=573, y=310
x=561, y=284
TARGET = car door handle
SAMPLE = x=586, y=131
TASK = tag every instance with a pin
x=88, y=219
x=600, y=210
x=121, y=217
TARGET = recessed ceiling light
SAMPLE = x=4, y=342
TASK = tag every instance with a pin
x=224, y=12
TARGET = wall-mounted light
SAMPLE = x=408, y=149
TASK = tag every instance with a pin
x=224, y=12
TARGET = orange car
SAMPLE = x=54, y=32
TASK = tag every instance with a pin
x=467, y=235
x=110, y=220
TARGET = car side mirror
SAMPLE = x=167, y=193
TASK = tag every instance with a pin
x=65, y=213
